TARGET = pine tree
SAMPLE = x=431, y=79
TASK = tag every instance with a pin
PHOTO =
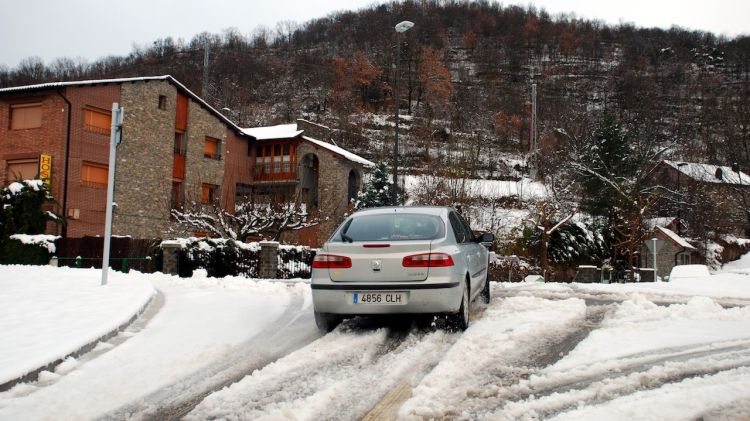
x=378, y=191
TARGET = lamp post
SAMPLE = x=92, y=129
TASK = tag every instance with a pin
x=679, y=193
x=401, y=27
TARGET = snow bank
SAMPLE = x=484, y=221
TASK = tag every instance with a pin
x=202, y=323
x=46, y=313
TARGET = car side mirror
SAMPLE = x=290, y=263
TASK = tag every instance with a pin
x=486, y=239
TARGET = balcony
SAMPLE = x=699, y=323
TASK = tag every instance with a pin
x=275, y=172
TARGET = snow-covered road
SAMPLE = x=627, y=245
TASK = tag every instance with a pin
x=244, y=349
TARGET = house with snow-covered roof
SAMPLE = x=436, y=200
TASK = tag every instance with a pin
x=671, y=250
x=704, y=197
x=299, y=162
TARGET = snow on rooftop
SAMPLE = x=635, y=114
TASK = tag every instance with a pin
x=281, y=131
x=289, y=131
x=676, y=238
x=341, y=151
x=708, y=173
x=53, y=85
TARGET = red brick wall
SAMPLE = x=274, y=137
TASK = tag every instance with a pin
x=51, y=138
x=30, y=143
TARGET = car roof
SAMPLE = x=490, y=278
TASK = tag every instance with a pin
x=425, y=210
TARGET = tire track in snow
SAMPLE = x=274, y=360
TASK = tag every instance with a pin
x=341, y=376
x=547, y=402
x=494, y=354
x=292, y=330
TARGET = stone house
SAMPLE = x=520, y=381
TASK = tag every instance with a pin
x=671, y=250
x=299, y=162
x=711, y=198
x=175, y=148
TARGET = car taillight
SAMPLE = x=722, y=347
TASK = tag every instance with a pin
x=432, y=260
x=331, y=261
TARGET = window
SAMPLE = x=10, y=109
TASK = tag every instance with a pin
x=176, y=196
x=97, y=121
x=275, y=161
x=212, y=148
x=208, y=193
x=25, y=116
x=180, y=146
x=94, y=175
x=162, y=102
x=392, y=227
x=460, y=228
x=22, y=169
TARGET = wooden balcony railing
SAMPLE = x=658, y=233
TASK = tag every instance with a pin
x=275, y=172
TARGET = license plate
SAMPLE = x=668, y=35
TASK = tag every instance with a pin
x=394, y=298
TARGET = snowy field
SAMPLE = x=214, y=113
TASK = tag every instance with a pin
x=237, y=348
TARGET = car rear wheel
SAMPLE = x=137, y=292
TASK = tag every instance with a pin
x=326, y=322
x=486, y=290
x=460, y=320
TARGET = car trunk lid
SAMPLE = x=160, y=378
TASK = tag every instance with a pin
x=379, y=261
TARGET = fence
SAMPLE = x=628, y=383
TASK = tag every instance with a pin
x=125, y=253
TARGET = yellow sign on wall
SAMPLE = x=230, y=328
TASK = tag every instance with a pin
x=45, y=168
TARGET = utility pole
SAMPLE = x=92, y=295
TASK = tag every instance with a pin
x=205, y=70
x=533, y=140
x=114, y=139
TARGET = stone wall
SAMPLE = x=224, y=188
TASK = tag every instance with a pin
x=144, y=160
x=198, y=168
x=332, y=192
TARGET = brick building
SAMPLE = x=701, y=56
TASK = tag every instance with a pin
x=298, y=161
x=175, y=147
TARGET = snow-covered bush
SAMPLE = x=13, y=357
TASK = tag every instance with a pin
x=21, y=213
x=225, y=257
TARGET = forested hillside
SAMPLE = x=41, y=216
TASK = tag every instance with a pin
x=612, y=100
x=467, y=70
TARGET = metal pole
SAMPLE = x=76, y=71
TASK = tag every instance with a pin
x=114, y=139
x=205, y=70
x=656, y=276
x=395, y=143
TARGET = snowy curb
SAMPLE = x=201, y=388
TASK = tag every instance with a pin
x=34, y=375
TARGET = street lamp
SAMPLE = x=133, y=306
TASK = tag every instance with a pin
x=401, y=27
x=679, y=197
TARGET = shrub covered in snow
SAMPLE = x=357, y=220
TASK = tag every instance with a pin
x=221, y=257
x=21, y=213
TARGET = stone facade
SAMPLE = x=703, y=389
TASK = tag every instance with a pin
x=144, y=160
x=332, y=191
x=668, y=256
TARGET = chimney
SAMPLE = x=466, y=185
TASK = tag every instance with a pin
x=315, y=131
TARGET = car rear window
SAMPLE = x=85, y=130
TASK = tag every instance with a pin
x=391, y=227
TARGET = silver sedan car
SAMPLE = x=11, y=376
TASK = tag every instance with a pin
x=401, y=260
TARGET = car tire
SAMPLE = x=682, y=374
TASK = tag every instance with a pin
x=326, y=322
x=460, y=321
x=486, y=291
